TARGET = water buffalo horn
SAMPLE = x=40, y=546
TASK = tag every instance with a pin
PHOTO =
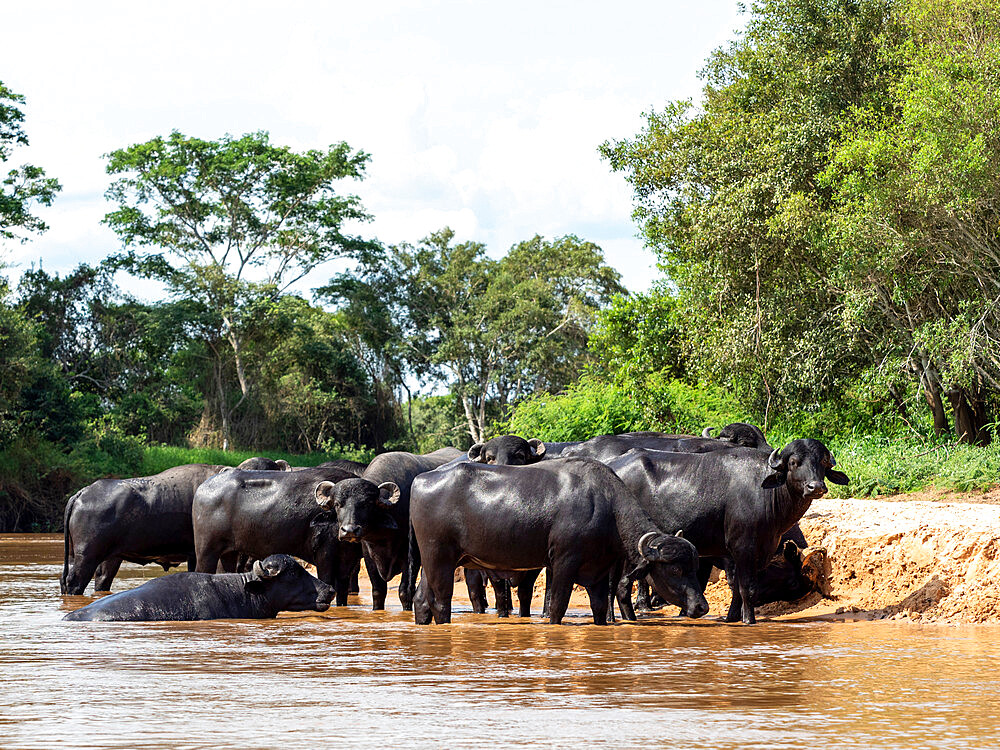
x=643, y=541
x=679, y=534
x=323, y=493
x=388, y=494
x=774, y=460
x=707, y=432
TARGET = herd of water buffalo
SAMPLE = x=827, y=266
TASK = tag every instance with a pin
x=657, y=509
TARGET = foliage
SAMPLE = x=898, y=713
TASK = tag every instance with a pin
x=493, y=331
x=826, y=215
x=159, y=458
x=231, y=224
x=23, y=186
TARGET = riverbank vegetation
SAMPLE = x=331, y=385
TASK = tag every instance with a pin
x=825, y=217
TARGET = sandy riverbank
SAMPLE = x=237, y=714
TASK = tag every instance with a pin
x=928, y=560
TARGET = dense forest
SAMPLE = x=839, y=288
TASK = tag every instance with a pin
x=825, y=216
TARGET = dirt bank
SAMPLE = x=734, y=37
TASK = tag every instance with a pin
x=928, y=560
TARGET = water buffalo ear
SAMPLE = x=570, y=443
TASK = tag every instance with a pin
x=263, y=571
x=774, y=479
x=777, y=470
x=324, y=493
x=791, y=551
x=537, y=447
x=283, y=465
x=640, y=572
x=837, y=477
x=476, y=453
x=707, y=432
x=388, y=494
x=324, y=518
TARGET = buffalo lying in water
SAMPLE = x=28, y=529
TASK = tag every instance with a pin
x=275, y=584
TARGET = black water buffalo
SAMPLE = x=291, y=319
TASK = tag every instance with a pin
x=141, y=520
x=741, y=434
x=573, y=516
x=508, y=450
x=734, y=505
x=275, y=584
x=605, y=448
x=260, y=463
x=783, y=579
x=381, y=522
x=255, y=514
x=355, y=467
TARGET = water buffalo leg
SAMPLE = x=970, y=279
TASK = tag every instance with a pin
x=421, y=604
x=642, y=596
x=192, y=563
x=746, y=579
x=625, y=598
x=81, y=570
x=353, y=587
x=561, y=588
x=440, y=586
x=547, y=598
x=379, y=586
x=614, y=575
x=501, y=595
x=228, y=563
x=475, y=582
x=525, y=590
x=598, y=593
x=106, y=573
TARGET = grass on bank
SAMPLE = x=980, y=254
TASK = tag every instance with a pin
x=157, y=458
x=878, y=463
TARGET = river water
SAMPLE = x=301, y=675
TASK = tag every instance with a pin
x=353, y=677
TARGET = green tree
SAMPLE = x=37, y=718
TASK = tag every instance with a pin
x=917, y=219
x=491, y=331
x=233, y=223
x=730, y=196
x=23, y=186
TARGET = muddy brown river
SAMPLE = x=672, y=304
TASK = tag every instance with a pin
x=351, y=677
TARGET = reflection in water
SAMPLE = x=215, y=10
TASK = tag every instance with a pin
x=376, y=680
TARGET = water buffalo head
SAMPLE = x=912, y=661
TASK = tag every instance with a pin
x=360, y=508
x=802, y=465
x=260, y=463
x=287, y=586
x=783, y=579
x=743, y=434
x=508, y=450
x=671, y=562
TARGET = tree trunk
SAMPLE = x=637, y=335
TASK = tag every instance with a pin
x=970, y=417
x=932, y=393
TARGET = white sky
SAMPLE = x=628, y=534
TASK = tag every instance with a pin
x=485, y=117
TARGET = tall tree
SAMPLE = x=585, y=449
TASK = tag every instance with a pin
x=23, y=186
x=492, y=331
x=233, y=223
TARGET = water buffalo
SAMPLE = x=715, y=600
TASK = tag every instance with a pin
x=734, y=505
x=260, y=513
x=605, y=448
x=355, y=467
x=275, y=584
x=381, y=522
x=783, y=579
x=574, y=516
x=260, y=463
x=741, y=434
x=141, y=520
